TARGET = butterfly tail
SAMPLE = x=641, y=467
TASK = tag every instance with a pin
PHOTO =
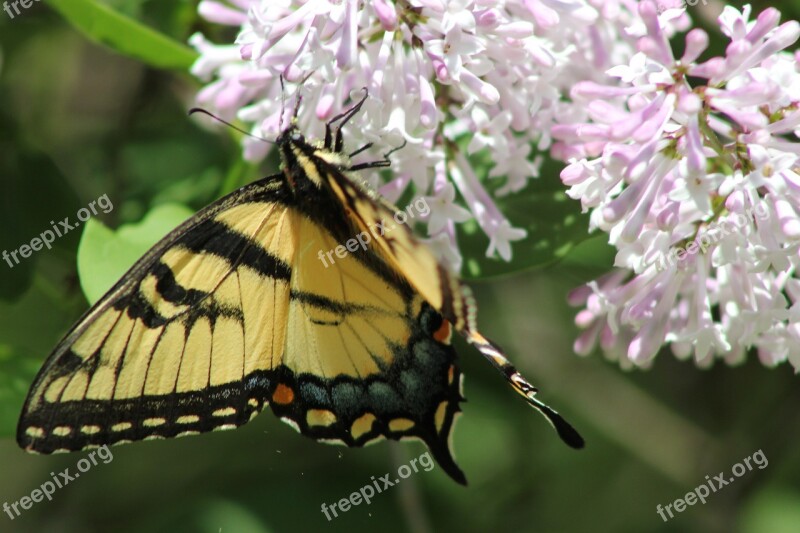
x=495, y=355
x=444, y=458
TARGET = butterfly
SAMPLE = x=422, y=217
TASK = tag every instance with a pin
x=233, y=311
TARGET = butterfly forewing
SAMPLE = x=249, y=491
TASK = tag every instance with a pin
x=402, y=250
x=178, y=346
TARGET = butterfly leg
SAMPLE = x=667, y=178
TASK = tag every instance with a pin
x=385, y=162
x=334, y=141
x=365, y=147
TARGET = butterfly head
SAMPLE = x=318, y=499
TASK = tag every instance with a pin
x=302, y=162
x=291, y=135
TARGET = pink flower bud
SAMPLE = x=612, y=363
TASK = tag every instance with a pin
x=387, y=14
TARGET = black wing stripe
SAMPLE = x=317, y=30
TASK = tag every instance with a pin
x=168, y=287
x=214, y=237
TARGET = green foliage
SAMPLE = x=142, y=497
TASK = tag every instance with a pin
x=106, y=26
x=554, y=223
x=776, y=510
x=105, y=255
x=24, y=212
x=16, y=376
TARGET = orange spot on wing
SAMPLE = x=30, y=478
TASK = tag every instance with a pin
x=283, y=395
x=443, y=333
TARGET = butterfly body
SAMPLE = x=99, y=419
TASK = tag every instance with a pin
x=233, y=312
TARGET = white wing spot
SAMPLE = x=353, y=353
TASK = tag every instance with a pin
x=35, y=432
x=292, y=423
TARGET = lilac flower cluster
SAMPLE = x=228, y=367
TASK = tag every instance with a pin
x=667, y=147
x=660, y=149
x=436, y=71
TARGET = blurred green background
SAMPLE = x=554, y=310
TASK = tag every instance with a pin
x=79, y=120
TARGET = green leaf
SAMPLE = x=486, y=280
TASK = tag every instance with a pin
x=103, y=25
x=222, y=515
x=589, y=259
x=554, y=223
x=775, y=509
x=105, y=255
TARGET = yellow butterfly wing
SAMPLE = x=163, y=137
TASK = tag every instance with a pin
x=182, y=344
x=234, y=311
x=393, y=374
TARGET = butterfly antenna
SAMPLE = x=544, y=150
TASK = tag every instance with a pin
x=299, y=98
x=300, y=95
x=283, y=103
x=194, y=110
